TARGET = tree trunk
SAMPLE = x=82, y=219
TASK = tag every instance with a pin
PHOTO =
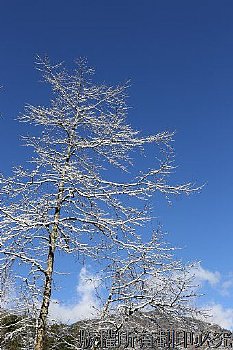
x=42, y=319
x=43, y=315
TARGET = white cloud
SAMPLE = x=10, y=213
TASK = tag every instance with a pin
x=220, y=315
x=88, y=305
x=222, y=284
x=85, y=308
x=204, y=275
x=225, y=287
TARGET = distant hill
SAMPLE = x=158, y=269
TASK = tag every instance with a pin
x=140, y=331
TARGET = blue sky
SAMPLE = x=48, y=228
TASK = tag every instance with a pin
x=178, y=55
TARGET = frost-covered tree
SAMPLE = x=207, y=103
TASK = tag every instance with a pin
x=84, y=194
x=149, y=278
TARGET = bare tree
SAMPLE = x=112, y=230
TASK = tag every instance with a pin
x=148, y=277
x=82, y=194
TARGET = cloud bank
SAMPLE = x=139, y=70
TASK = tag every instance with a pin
x=85, y=308
x=220, y=315
x=204, y=275
x=88, y=304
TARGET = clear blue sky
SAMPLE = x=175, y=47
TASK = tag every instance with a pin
x=179, y=57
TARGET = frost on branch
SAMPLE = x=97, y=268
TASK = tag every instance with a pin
x=85, y=193
x=149, y=282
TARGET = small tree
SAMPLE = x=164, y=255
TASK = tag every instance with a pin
x=70, y=200
x=150, y=278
